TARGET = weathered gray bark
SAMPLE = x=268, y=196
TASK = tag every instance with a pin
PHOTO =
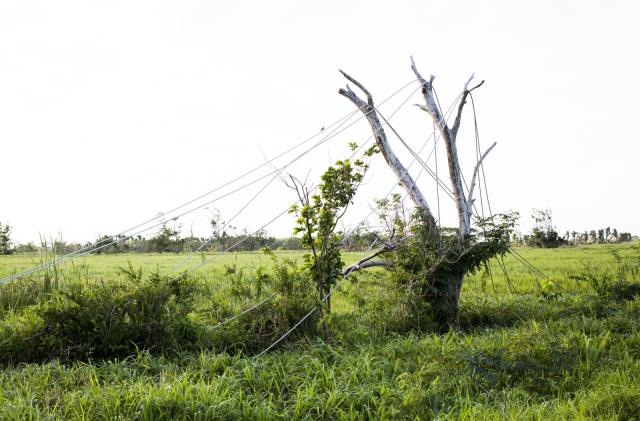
x=404, y=178
x=367, y=262
x=445, y=292
x=449, y=135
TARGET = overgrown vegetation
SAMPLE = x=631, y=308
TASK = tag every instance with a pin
x=425, y=265
x=529, y=354
x=544, y=341
x=81, y=322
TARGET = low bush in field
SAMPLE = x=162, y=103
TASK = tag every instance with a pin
x=289, y=297
x=106, y=321
x=161, y=314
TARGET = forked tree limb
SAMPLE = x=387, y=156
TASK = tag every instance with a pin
x=360, y=86
x=464, y=214
x=367, y=262
x=449, y=136
x=404, y=178
x=463, y=202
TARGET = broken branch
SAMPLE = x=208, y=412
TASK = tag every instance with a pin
x=366, y=262
x=404, y=178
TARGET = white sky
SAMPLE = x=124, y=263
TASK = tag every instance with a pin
x=113, y=111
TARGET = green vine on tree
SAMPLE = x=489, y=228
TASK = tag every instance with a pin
x=430, y=256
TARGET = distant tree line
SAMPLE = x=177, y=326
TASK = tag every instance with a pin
x=168, y=239
x=544, y=234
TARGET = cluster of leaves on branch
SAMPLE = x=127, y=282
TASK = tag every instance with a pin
x=318, y=215
x=432, y=252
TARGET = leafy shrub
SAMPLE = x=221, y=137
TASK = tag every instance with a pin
x=20, y=336
x=108, y=321
x=616, y=289
x=431, y=265
x=293, y=297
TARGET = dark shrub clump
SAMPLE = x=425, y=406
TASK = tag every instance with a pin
x=113, y=321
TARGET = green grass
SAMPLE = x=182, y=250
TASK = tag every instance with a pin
x=106, y=266
x=563, y=348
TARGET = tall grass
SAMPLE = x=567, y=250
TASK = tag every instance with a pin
x=569, y=351
x=35, y=288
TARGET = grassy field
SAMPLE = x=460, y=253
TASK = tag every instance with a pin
x=564, y=346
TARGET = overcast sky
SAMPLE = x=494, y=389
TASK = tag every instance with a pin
x=114, y=111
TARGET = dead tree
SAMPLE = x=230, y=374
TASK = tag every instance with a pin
x=448, y=284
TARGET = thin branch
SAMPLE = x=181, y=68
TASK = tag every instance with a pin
x=475, y=174
x=359, y=85
x=427, y=91
x=366, y=261
x=466, y=85
x=463, y=101
x=369, y=264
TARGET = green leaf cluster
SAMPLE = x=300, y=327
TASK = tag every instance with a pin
x=318, y=216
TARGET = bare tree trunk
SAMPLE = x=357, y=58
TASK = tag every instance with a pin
x=449, y=136
x=447, y=305
x=444, y=298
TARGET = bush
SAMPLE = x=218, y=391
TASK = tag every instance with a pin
x=293, y=294
x=20, y=337
x=112, y=321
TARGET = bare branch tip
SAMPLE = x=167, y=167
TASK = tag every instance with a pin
x=466, y=85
